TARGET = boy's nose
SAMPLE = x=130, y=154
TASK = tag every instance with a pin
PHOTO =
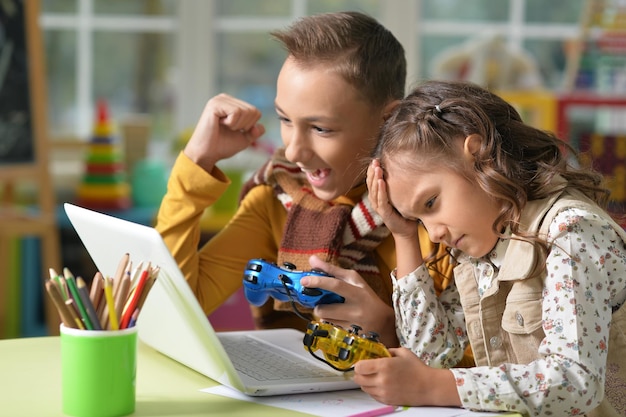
x=297, y=148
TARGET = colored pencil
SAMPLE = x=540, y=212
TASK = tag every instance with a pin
x=96, y=291
x=75, y=316
x=384, y=410
x=136, y=274
x=133, y=318
x=122, y=294
x=81, y=286
x=100, y=310
x=54, y=276
x=108, y=293
x=71, y=284
x=119, y=273
x=112, y=303
x=146, y=291
x=129, y=309
x=53, y=289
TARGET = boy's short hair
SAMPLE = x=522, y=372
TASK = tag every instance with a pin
x=365, y=53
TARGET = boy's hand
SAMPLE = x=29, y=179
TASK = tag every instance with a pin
x=227, y=126
x=362, y=306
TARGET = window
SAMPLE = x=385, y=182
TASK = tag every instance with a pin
x=115, y=50
x=167, y=57
x=540, y=28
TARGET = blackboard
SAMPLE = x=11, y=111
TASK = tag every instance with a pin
x=20, y=77
x=24, y=147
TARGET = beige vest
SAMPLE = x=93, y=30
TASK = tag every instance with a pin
x=505, y=325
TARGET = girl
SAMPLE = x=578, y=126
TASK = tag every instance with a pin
x=540, y=275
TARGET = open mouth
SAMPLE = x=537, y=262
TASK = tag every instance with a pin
x=317, y=177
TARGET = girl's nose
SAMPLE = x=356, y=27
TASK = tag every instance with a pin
x=436, y=233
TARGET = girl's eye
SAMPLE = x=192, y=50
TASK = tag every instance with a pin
x=430, y=203
x=411, y=219
x=283, y=119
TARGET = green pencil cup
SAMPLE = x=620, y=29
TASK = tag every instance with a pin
x=98, y=372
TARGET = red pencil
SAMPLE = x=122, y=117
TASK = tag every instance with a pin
x=132, y=303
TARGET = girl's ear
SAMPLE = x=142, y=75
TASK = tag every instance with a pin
x=471, y=146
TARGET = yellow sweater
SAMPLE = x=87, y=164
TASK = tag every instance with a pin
x=215, y=271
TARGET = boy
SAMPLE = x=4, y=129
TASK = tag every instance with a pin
x=343, y=75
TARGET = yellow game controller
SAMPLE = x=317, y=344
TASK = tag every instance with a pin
x=342, y=348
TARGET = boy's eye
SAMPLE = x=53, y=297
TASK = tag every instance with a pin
x=320, y=129
x=430, y=203
x=283, y=119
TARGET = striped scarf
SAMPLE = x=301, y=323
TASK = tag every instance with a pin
x=340, y=232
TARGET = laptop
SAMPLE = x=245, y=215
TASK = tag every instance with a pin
x=255, y=362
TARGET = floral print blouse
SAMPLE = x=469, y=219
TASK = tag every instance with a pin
x=586, y=267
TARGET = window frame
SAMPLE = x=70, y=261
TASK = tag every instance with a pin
x=196, y=20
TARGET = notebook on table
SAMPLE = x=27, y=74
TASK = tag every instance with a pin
x=256, y=362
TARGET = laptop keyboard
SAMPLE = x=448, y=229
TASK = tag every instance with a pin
x=263, y=363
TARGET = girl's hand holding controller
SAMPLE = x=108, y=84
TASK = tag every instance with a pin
x=404, y=369
x=362, y=306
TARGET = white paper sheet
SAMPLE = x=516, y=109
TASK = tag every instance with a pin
x=341, y=404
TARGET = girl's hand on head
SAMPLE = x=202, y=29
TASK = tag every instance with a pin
x=227, y=126
x=362, y=306
x=397, y=225
x=405, y=380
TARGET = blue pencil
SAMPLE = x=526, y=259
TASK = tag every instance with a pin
x=86, y=300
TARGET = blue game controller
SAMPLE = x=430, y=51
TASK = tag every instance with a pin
x=262, y=279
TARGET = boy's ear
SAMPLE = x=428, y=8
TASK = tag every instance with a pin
x=389, y=108
x=471, y=145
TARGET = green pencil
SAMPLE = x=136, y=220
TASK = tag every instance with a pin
x=71, y=284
